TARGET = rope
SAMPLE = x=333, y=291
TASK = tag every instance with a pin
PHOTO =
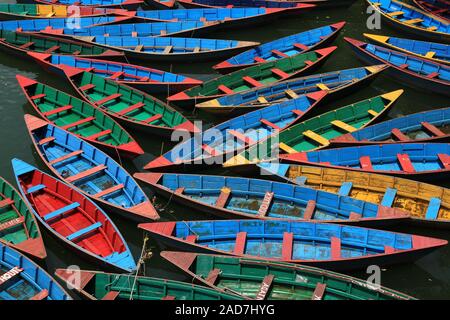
x=139, y=264
x=118, y=156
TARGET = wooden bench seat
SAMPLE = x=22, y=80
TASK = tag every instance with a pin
x=57, y=110
x=153, y=118
x=109, y=191
x=309, y=210
x=131, y=108
x=86, y=173
x=12, y=223
x=66, y=157
x=344, y=126
x=366, y=163
x=241, y=137
x=316, y=137
x=223, y=88
x=78, y=123
x=100, y=134
x=405, y=163
x=108, y=98
x=284, y=147
x=291, y=94
x=397, y=134
x=252, y=82
x=241, y=241
x=430, y=128
x=223, y=197
x=279, y=53
x=87, y=87
x=265, y=204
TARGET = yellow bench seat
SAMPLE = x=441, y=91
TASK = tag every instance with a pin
x=344, y=126
x=316, y=137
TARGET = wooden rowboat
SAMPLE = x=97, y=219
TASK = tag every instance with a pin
x=336, y=83
x=217, y=144
x=38, y=25
x=129, y=106
x=253, y=77
x=96, y=285
x=427, y=126
x=429, y=205
x=142, y=78
x=229, y=17
x=17, y=11
x=266, y=200
x=412, y=20
x=170, y=49
x=147, y=29
x=266, y=280
x=323, y=245
x=73, y=218
x=418, y=72
x=18, y=227
x=89, y=171
x=80, y=118
x=22, y=279
x=19, y=44
x=281, y=48
x=438, y=8
x=294, y=4
x=436, y=52
x=316, y=133
x=421, y=161
x=118, y=4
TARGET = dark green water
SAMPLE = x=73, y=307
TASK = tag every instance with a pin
x=428, y=278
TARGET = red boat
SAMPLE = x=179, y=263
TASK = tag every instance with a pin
x=440, y=8
x=139, y=77
x=73, y=218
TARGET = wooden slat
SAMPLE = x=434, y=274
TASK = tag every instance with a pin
x=397, y=134
x=291, y=94
x=280, y=73
x=168, y=49
x=41, y=295
x=46, y=140
x=12, y=223
x=287, y=246
x=259, y=60
x=52, y=49
x=297, y=112
x=252, y=82
x=225, y=89
x=309, y=210
x=86, y=173
x=213, y=275
x=26, y=45
x=322, y=86
x=279, y=53
x=97, y=135
x=6, y=202
x=139, y=48
x=87, y=87
x=301, y=46
x=395, y=13
x=109, y=191
x=344, y=126
x=10, y=275
x=413, y=21
x=223, y=197
x=108, y=98
x=284, y=147
x=153, y=118
x=270, y=124
x=38, y=96
x=67, y=156
x=241, y=137
x=319, y=291
x=117, y=75
x=265, y=287
x=430, y=54
x=111, y=295
x=405, y=163
x=432, y=129
x=433, y=75
x=192, y=238
x=241, y=241
x=335, y=248
x=265, y=205
x=78, y=123
x=354, y=216
x=131, y=108
x=445, y=160
x=57, y=110
x=316, y=137
x=365, y=163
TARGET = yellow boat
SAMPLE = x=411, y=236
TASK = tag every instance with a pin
x=426, y=203
x=436, y=52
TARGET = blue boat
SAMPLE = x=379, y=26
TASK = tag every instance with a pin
x=420, y=73
x=410, y=19
x=22, y=279
x=37, y=25
x=217, y=144
x=89, y=170
x=155, y=29
x=263, y=199
x=118, y=4
x=437, y=52
x=73, y=218
x=424, y=161
x=229, y=17
x=323, y=245
x=142, y=78
x=281, y=48
x=427, y=126
x=171, y=49
x=294, y=4
x=336, y=83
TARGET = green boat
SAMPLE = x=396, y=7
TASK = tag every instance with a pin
x=252, y=77
x=266, y=280
x=316, y=132
x=96, y=285
x=18, y=226
x=132, y=107
x=80, y=118
x=19, y=43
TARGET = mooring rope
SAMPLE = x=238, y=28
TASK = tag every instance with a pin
x=141, y=262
